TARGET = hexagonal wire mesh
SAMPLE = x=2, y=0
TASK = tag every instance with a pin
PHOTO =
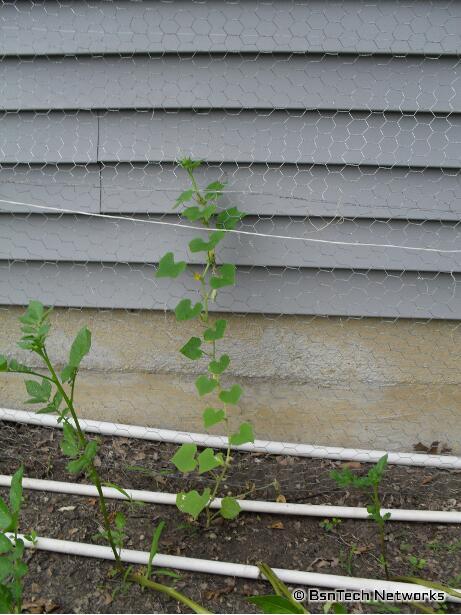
x=335, y=126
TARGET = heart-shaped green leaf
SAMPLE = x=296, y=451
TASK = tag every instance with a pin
x=213, y=190
x=232, y=395
x=184, y=197
x=230, y=508
x=185, y=311
x=244, y=435
x=191, y=349
x=217, y=367
x=205, y=385
x=226, y=277
x=229, y=218
x=207, y=460
x=199, y=213
x=193, y=503
x=184, y=458
x=199, y=245
x=192, y=213
x=217, y=332
x=167, y=268
x=213, y=416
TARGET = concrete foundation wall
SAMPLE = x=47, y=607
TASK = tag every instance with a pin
x=366, y=383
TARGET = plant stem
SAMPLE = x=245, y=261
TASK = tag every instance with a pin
x=207, y=294
x=169, y=591
x=382, y=537
x=31, y=373
x=66, y=398
x=280, y=588
x=384, y=552
x=422, y=607
x=92, y=471
x=431, y=584
x=222, y=475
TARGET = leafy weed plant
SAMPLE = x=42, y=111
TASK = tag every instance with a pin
x=54, y=392
x=12, y=566
x=370, y=484
x=329, y=525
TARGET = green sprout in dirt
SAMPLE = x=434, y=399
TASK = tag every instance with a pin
x=12, y=566
x=417, y=563
x=370, y=483
x=329, y=525
x=54, y=392
x=281, y=601
x=201, y=207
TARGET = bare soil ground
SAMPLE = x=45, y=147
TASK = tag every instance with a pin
x=59, y=583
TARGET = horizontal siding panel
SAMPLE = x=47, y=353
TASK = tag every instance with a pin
x=279, y=136
x=67, y=238
x=287, y=190
x=330, y=293
x=284, y=82
x=416, y=26
x=48, y=137
x=291, y=190
x=248, y=136
x=76, y=188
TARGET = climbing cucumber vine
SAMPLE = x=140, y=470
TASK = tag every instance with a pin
x=201, y=206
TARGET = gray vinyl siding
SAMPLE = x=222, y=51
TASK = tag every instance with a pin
x=281, y=136
x=308, y=291
x=273, y=81
x=293, y=190
x=96, y=240
x=65, y=187
x=331, y=26
x=244, y=136
x=335, y=120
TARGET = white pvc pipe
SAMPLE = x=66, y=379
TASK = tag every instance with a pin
x=261, y=446
x=257, y=506
x=292, y=577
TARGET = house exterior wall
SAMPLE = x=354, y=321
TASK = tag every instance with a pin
x=336, y=123
x=363, y=383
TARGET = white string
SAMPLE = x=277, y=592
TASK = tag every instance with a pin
x=235, y=231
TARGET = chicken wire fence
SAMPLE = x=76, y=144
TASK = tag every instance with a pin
x=334, y=126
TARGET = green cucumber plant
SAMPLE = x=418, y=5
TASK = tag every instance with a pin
x=201, y=206
x=55, y=393
x=12, y=566
x=370, y=483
